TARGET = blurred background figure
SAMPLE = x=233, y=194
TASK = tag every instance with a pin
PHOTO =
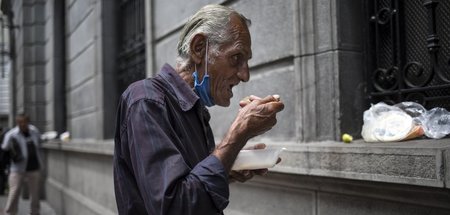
x=22, y=143
x=4, y=163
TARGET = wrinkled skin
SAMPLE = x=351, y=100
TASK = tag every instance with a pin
x=245, y=175
x=230, y=67
x=254, y=118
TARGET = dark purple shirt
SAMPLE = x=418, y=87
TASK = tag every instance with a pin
x=163, y=144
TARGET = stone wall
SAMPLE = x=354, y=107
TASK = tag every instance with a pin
x=82, y=73
x=81, y=98
x=55, y=68
x=318, y=178
x=29, y=36
x=296, y=194
x=80, y=178
x=309, y=52
x=5, y=97
x=89, y=98
x=359, y=178
x=64, y=77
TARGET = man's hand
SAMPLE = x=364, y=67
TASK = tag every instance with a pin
x=254, y=118
x=245, y=175
x=257, y=115
x=247, y=100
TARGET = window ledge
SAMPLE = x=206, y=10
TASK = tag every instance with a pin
x=418, y=162
x=102, y=147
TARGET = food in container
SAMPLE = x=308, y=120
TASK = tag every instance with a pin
x=257, y=158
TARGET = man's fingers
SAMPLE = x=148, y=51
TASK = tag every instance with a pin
x=271, y=104
x=261, y=172
x=253, y=97
x=275, y=106
x=247, y=100
x=268, y=99
x=259, y=146
x=236, y=177
x=231, y=180
x=256, y=146
x=242, y=176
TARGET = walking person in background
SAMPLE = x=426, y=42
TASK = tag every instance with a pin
x=22, y=142
x=4, y=163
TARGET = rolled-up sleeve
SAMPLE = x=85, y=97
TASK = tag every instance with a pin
x=166, y=183
x=213, y=175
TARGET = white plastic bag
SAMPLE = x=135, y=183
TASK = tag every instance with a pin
x=385, y=123
x=436, y=123
x=403, y=121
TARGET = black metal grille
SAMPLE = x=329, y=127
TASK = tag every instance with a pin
x=132, y=42
x=411, y=52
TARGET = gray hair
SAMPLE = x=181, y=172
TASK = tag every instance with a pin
x=212, y=20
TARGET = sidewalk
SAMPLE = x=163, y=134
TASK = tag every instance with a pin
x=24, y=206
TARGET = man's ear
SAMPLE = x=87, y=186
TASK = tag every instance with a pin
x=198, y=48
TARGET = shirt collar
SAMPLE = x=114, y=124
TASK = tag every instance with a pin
x=184, y=93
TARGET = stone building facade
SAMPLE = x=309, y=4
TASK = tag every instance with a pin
x=69, y=56
x=5, y=94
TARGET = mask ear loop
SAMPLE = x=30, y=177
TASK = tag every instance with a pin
x=206, y=65
x=206, y=59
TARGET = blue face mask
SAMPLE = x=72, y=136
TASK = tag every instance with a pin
x=203, y=89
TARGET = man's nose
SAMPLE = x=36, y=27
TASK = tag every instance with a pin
x=243, y=73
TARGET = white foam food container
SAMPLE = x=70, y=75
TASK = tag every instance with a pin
x=257, y=158
x=49, y=135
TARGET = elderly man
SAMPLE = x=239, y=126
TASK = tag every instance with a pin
x=166, y=161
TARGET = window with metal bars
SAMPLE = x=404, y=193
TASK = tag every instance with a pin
x=410, y=52
x=131, y=42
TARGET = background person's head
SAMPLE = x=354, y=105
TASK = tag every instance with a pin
x=222, y=34
x=22, y=121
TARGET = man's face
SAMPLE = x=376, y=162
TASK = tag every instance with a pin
x=22, y=122
x=231, y=63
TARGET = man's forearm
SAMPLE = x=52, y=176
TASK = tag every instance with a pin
x=229, y=148
x=253, y=119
